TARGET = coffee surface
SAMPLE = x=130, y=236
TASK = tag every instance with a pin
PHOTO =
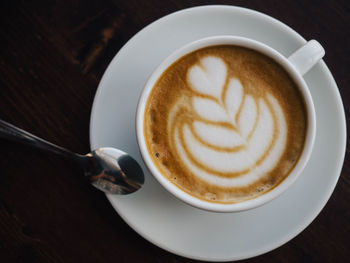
x=225, y=124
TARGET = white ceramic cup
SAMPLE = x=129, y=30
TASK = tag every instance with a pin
x=295, y=65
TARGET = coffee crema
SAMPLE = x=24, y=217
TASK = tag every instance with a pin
x=225, y=124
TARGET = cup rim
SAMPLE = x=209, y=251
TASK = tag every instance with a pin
x=292, y=72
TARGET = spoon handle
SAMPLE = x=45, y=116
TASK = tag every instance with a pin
x=13, y=133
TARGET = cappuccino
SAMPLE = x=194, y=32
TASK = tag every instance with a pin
x=225, y=124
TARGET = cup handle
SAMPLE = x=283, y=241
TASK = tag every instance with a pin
x=307, y=56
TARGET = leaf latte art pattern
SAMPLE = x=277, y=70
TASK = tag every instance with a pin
x=223, y=134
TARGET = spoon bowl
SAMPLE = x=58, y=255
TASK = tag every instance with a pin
x=114, y=171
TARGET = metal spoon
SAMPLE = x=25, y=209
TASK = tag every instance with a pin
x=108, y=169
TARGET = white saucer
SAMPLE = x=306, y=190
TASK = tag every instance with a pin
x=173, y=225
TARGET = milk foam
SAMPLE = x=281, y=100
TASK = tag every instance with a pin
x=236, y=138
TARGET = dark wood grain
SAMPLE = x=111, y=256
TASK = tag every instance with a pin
x=52, y=56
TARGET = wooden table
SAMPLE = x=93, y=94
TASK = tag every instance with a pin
x=53, y=55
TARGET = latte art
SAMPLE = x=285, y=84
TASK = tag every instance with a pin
x=234, y=138
x=225, y=124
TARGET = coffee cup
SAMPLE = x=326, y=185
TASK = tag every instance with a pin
x=227, y=123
